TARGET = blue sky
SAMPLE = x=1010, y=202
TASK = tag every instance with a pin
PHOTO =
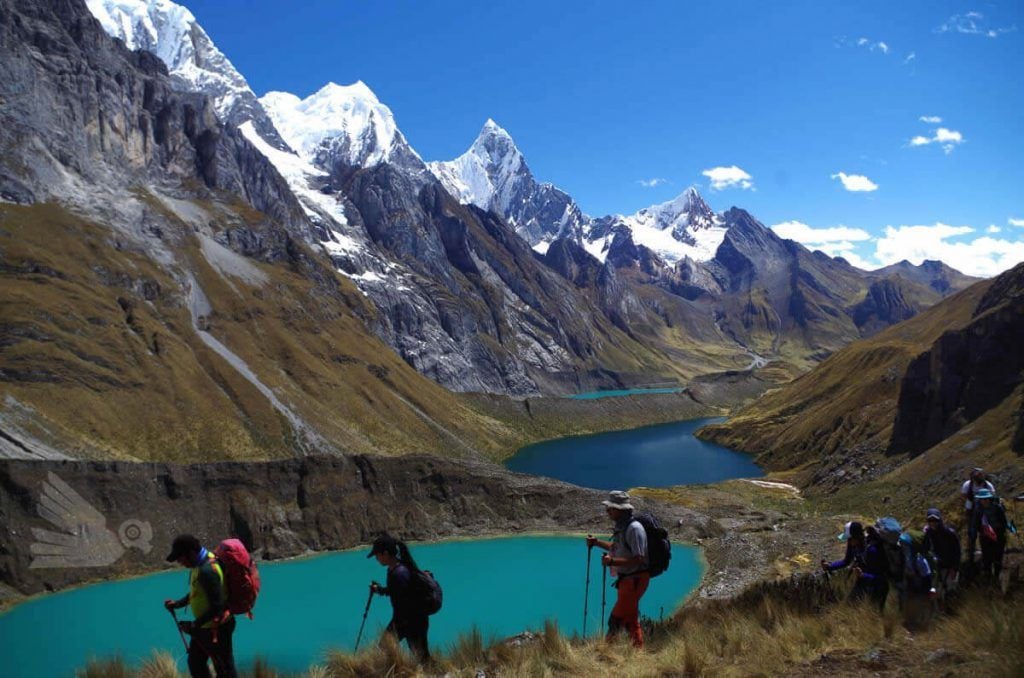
x=806, y=100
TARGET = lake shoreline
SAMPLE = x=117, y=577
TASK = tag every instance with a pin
x=344, y=503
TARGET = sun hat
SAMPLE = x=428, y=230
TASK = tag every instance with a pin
x=933, y=513
x=852, y=529
x=984, y=493
x=618, y=499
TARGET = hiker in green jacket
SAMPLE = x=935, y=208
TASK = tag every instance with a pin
x=213, y=625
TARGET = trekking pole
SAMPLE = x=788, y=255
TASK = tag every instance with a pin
x=586, y=592
x=365, y=612
x=604, y=587
x=180, y=632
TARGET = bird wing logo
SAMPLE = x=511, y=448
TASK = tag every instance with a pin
x=82, y=538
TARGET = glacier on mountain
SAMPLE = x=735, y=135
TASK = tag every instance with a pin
x=339, y=123
x=171, y=32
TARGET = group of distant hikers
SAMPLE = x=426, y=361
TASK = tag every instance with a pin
x=918, y=565
x=926, y=564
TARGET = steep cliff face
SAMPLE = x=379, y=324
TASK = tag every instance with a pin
x=967, y=372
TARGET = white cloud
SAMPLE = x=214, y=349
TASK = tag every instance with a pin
x=728, y=177
x=651, y=183
x=910, y=57
x=866, y=43
x=930, y=119
x=857, y=183
x=809, y=235
x=993, y=229
x=984, y=256
x=947, y=138
x=1015, y=222
x=835, y=241
x=972, y=23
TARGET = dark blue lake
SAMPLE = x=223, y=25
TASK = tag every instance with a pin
x=308, y=606
x=651, y=456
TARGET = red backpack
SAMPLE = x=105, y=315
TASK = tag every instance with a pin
x=240, y=575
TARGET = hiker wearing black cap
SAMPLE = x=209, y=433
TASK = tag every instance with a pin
x=864, y=555
x=212, y=625
x=942, y=542
x=409, y=621
x=977, y=481
x=990, y=525
x=626, y=560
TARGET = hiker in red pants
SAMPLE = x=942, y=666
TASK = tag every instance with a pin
x=626, y=560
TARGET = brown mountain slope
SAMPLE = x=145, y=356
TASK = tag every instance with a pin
x=835, y=422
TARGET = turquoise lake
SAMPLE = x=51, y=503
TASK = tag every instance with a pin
x=651, y=456
x=310, y=605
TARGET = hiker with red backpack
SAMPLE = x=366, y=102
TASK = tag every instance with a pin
x=213, y=625
x=990, y=524
x=414, y=594
x=627, y=561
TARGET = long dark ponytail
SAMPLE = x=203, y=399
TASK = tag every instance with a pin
x=404, y=556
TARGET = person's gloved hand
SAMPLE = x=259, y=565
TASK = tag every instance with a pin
x=591, y=540
x=606, y=560
x=824, y=565
x=170, y=604
x=374, y=587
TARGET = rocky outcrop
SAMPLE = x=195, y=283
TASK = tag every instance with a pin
x=884, y=305
x=966, y=372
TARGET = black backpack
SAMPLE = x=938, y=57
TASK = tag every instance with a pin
x=659, y=548
x=429, y=595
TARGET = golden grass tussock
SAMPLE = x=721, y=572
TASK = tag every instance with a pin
x=797, y=626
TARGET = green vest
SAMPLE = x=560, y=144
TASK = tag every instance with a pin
x=197, y=597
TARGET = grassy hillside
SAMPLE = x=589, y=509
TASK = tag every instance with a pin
x=846, y=406
x=99, y=357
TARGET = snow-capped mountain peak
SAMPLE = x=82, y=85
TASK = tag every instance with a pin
x=682, y=227
x=487, y=173
x=171, y=32
x=493, y=175
x=338, y=122
x=684, y=213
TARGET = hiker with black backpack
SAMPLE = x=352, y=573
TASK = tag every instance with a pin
x=867, y=561
x=990, y=524
x=975, y=483
x=413, y=592
x=943, y=544
x=213, y=624
x=627, y=561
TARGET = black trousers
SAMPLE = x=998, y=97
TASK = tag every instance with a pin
x=992, y=557
x=213, y=644
x=414, y=633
